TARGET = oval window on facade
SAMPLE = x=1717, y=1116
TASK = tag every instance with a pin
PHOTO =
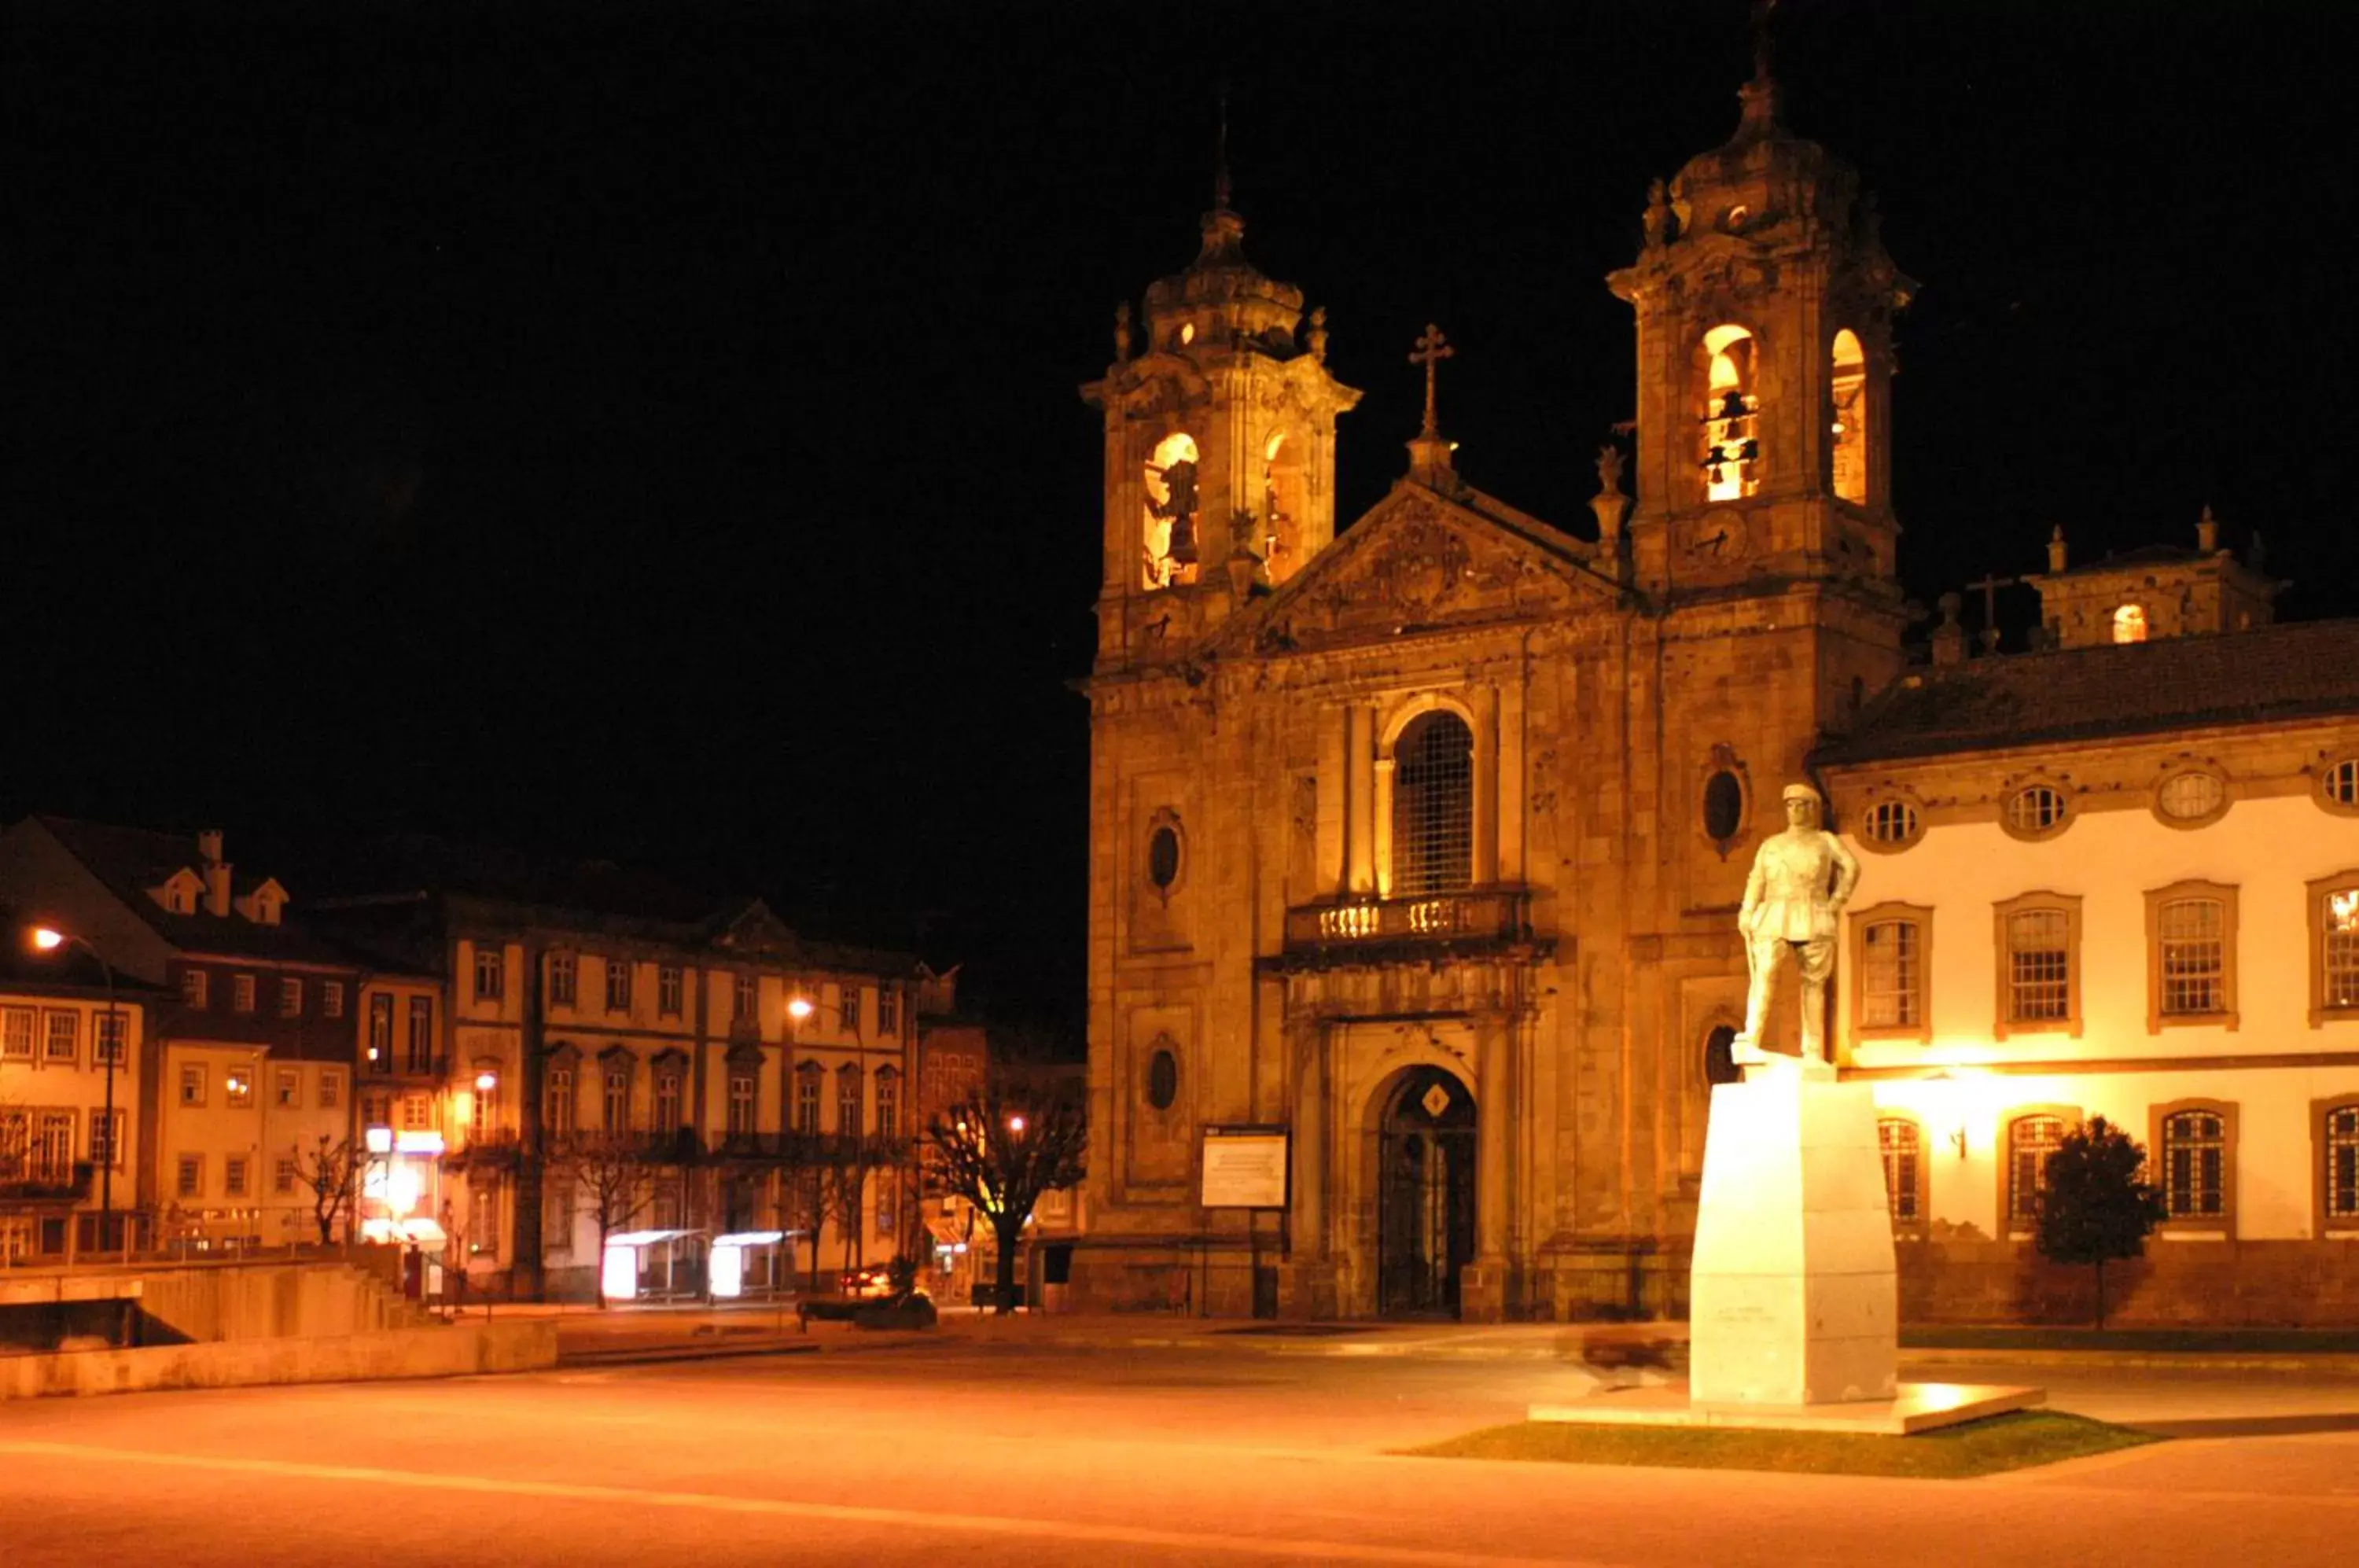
x=1724, y=806
x=1163, y=857
x=2338, y=784
x=1891, y=823
x=2191, y=797
x=1162, y=1080
x=2036, y=810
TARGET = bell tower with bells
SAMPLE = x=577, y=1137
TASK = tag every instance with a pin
x=1220, y=447
x=1765, y=303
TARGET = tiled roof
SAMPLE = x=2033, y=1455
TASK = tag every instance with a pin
x=129, y=861
x=23, y=969
x=2303, y=670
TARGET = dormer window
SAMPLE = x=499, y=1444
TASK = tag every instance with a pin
x=1731, y=444
x=178, y=892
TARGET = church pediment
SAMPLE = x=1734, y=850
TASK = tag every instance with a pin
x=1421, y=562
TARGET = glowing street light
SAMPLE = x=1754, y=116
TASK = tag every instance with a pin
x=486, y=1082
x=799, y=1007
x=1015, y=1124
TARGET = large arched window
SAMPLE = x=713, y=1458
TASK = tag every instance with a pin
x=1433, y=805
x=1848, y=382
x=2196, y=1145
x=2129, y=624
x=1285, y=501
x=1732, y=446
x=1168, y=527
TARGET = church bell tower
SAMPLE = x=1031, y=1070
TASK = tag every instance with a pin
x=1765, y=303
x=1220, y=447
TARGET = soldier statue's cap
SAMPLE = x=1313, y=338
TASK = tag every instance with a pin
x=1800, y=793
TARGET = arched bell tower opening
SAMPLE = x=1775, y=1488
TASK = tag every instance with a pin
x=1847, y=432
x=1424, y=1193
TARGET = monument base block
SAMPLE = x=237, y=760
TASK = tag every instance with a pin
x=1915, y=1406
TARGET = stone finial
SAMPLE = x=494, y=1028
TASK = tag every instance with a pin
x=1122, y=332
x=2207, y=533
x=1609, y=502
x=2056, y=548
x=1658, y=221
x=1319, y=334
x=1949, y=638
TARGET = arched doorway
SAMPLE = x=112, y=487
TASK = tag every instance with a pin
x=1425, y=1195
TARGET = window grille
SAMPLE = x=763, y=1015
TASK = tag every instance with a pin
x=2194, y=948
x=1891, y=822
x=2037, y=809
x=1889, y=976
x=2343, y=1164
x=2339, y=959
x=2194, y=1161
x=1903, y=1147
x=2341, y=784
x=17, y=1034
x=2030, y=1141
x=2189, y=796
x=2039, y=966
x=64, y=1041
x=1433, y=807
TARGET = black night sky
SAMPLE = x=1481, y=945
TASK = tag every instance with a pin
x=650, y=431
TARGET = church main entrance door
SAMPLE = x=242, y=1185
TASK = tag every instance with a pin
x=1425, y=1195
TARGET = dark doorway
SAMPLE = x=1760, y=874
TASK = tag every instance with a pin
x=1425, y=1195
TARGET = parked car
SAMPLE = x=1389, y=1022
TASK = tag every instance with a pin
x=873, y=1282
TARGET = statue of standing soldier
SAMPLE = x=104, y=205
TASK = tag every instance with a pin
x=1802, y=879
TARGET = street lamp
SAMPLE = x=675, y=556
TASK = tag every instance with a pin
x=49, y=938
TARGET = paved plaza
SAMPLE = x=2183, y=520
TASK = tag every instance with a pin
x=1017, y=1447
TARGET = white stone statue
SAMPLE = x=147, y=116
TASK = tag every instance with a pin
x=1802, y=879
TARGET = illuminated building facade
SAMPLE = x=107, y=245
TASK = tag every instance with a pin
x=1424, y=843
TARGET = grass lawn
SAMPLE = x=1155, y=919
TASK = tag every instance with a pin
x=2211, y=1341
x=1977, y=1448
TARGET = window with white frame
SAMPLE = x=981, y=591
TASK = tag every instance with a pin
x=193, y=990
x=888, y=1011
x=17, y=1027
x=806, y=1095
x=332, y=999
x=2039, y=959
x=2334, y=947
x=2338, y=784
x=1902, y=1143
x=193, y=1083
x=2195, y=1164
x=53, y=1145
x=332, y=1088
x=241, y=993
x=2191, y=965
x=848, y=1008
x=189, y=1176
x=282, y=1177
x=106, y=1139
x=1891, y=823
x=558, y=1109
x=290, y=998
x=668, y=1101
x=2036, y=810
x=888, y=1102
x=62, y=1040
x=418, y=1112
x=233, y=1168
x=1892, y=973
x=848, y=1100
x=112, y=1035
x=483, y=1217
x=483, y=1110
x=743, y=1004
x=287, y=1087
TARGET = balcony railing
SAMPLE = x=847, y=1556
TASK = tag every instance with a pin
x=29, y=1180
x=1440, y=918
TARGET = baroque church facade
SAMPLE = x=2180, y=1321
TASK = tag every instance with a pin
x=1421, y=847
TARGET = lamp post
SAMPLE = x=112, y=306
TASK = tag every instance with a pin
x=49, y=938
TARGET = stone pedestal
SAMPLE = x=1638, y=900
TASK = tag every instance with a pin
x=1793, y=1300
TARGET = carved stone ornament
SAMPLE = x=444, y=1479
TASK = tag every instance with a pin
x=1422, y=568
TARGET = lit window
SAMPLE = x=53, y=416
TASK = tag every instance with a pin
x=2334, y=910
x=237, y=1088
x=1169, y=528
x=1433, y=805
x=418, y=1112
x=1902, y=1144
x=2030, y=1141
x=2036, y=810
x=1732, y=448
x=1848, y=384
x=2195, y=1164
x=18, y=1028
x=2191, y=796
x=1890, y=823
x=2129, y=624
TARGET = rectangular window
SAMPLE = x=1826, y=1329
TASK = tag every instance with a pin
x=380, y=1034
x=667, y=1102
x=564, y=979
x=1890, y=975
x=483, y=1113
x=888, y=1104
x=848, y=1000
x=233, y=1170
x=192, y=989
x=2039, y=967
x=287, y=1088
x=806, y=1099
x=1903, y=1147
x=282, y=1177
x=741, y=1103
x=62, y=1040
x=53, y=1145
x=2030, y=1141
x=618, y=986
x=556, y=1222
x=114, y=1038
x=193, y=1083
x=2194, y=1165
x=2338, y=955
x=491, y=972
x=421, y=1035
x=618, y=1100
x=17, y=1026
x=290, y=998
x=376, y=1110
x=418, y=1112
x=888, y=1011
x=332, y=1088
x=557, y=1102
x=2193, y=954
x=2341, y=1158
x=483, y=1218
x=189, y=1176
x=241, y=993
x=667, y=990
x=847, y=1102
x=332, y=999
x=106, y=1139
x=745, y=1006
x=237, y=1088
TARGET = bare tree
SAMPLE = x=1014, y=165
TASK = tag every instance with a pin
x=1003, y=1146
x=611, y=1168
x=848, y=1163
x=332, y=1171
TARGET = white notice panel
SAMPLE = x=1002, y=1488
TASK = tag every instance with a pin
x=1244, y=1168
